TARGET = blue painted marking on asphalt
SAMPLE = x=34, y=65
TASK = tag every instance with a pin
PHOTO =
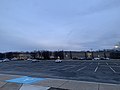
x=26, y=80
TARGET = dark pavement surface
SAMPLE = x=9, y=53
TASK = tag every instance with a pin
x=105, y=71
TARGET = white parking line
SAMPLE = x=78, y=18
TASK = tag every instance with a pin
x=116, y=63
x=112, y=69
x=91, y=63
x=68, y=67
x=82, y=68
x=58, y=67
x=96, y=69
x=107, y=63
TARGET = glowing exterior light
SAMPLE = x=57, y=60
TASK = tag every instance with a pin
x=116, y=46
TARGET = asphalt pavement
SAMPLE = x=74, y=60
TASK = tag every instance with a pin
x=103, y=71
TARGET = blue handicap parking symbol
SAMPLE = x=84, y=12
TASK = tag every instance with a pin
x=26, y=80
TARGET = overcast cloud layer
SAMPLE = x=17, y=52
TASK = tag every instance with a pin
x=59, y=24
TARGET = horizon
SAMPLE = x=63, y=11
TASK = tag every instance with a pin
x=59, y=50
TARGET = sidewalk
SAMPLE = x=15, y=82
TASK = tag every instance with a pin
x=13, y=82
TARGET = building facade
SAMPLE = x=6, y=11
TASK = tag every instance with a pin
x=65, y=55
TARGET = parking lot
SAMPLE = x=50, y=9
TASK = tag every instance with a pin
x=105, y=71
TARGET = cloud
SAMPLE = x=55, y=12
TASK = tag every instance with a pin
x=99, y=6
x=106, y=41
x=64, y=24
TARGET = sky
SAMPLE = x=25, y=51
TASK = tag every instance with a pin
x=27, y=25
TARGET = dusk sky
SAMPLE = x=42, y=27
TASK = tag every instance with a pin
x=27, y=25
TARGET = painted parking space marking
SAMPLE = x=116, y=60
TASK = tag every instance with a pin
x=57, y=67
x=91, y=63
x=60, y=67
x=26, y=80
x=69, y=67
x=82, y=68
x=116, y=64
x=112, y=69
x=33, y=87
x=96, y=69
x=107, y=63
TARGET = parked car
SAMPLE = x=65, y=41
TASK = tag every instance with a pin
x=14, y=59
x=34, y=60
x=102, y=58
x=107, y=58
x=29, y=59
x=75, y=58
x=1, y=61
x=82, y=58
x=96, y=58
x=58, y=61
x=6, y=60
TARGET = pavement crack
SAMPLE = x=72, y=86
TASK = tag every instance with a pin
x=98, y=86
x=20, y=86
x=62, y=84
x=4, y=84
